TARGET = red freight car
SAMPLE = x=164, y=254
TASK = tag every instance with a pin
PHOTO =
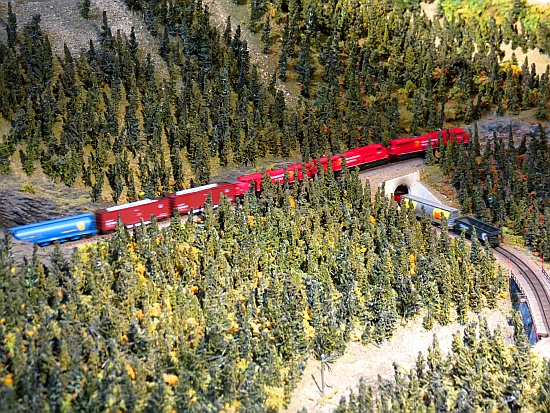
x=131, y=214
x=277, y=176
x=406, y=146
x=366, y=155
x=195, y=198
x=311, y=169
x=323, y=161
x=244, y=181
x=295, y=172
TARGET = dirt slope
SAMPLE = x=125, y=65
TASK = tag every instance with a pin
x=266, y=63
x=62, y=21
x=371, y=360
x=49, y=201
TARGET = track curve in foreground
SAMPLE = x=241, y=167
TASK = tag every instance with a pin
x=536, y=285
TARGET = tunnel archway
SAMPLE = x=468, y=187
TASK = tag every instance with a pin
x=399, y=191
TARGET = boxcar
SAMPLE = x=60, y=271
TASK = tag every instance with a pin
x=195, y=198
x=61, y=229
x=434, y=210
x=277, y=175
x=295, y=172
x=244, y=181
x=323, y=161
x=484, y=232
x=131, y=214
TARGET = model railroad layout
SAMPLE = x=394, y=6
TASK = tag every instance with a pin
x=536, y=292
x=74, y=228
x=135, y=213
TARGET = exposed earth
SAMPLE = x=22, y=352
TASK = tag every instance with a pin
x=372, y=361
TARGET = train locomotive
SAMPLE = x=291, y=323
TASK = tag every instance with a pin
x=134, y=213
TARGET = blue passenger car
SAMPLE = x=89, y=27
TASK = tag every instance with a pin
x=61, y=229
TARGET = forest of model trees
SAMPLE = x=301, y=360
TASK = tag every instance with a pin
x=506, y=184
x=221, y=314
x=72, y=113
x=224, y=313
x=476, y=376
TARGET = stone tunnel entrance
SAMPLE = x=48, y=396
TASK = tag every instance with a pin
x=407, y=184
x=399, y=191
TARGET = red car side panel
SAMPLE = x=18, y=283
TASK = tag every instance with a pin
x=336, y=163
x=365, y=155
x=460, y=134
x=243, y=183
x=295, y=171
x=131, y=214
x=241, y=188
x=277, y=175
x=410, y=145
x=195, y=198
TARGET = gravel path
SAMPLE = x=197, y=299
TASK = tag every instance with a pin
x=380, y=174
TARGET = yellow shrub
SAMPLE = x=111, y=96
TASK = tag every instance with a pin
x=170, y=379
x=275, y=398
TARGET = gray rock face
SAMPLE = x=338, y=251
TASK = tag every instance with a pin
x=501, y=126
x=19, y=208
x=48, y=201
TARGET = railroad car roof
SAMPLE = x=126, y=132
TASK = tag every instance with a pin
x=54, y=221
x=480, y=224
x=429, y=202
x=131, y=205
x=200, y=188
x=430, y=135
x=249, y=177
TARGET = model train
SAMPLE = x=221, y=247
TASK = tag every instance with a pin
x=437, y=211
x=134, y=213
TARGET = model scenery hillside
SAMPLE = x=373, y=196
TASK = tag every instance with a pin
x=223, y=313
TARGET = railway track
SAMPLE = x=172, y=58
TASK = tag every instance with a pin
x=540, y=293
x=365, y=173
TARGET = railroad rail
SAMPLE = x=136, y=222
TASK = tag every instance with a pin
x=538, y=297
x=70, y=245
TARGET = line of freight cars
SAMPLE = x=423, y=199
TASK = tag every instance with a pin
x=132, y=214
x=437, y=211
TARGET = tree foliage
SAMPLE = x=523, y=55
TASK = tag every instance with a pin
x=481, y=373
x=506, y=185
x=224, y=311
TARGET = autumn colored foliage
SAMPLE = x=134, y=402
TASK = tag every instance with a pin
x=222, y=312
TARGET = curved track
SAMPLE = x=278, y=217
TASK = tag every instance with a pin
x=363, y=174
x=541, y=294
